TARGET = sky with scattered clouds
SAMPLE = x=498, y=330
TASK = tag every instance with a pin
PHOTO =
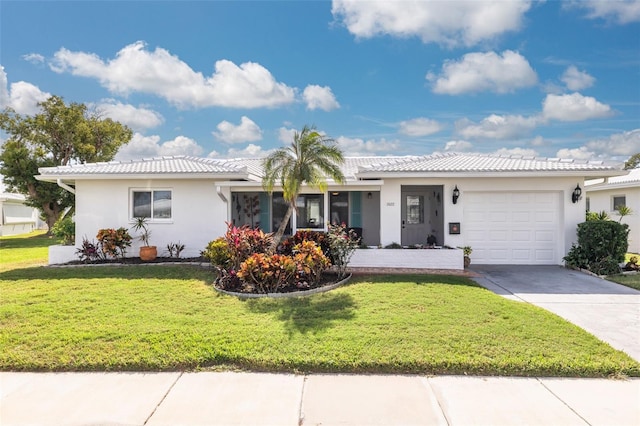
x=237, y=78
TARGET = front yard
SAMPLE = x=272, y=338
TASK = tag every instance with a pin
x=170, y=318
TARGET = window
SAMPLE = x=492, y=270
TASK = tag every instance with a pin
x=619, y=201
x=339, y=208
x=415, y=209
x=310, y=211
x=154, y=204
x=588, y=204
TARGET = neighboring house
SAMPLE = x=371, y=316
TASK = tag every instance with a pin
x=607, y=195
x=17, y=218
x=510, y=210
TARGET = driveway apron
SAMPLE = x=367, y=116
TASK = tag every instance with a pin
x=609, y=311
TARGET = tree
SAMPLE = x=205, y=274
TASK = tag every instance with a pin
x=632, y=162
x=59, y=135
x=310, y=159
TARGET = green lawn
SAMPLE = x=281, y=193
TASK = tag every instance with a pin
x=19, y=251
x=170, y=318
x=632, y=281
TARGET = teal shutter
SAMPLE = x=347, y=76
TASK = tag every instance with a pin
x=355, y=201
x=265, y=214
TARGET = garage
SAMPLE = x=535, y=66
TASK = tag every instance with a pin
x=513, y=227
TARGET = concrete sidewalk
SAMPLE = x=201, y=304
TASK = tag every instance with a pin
x=227, y=398
x=609, y=311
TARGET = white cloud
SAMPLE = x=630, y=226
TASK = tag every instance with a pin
x=619, y=146
x=246, y=131
x=5, y=98
x=318, y=97
x=138, y=118
x=480, y=72
x=286, y=135
x=581, y=153
x=497, y=127
x=446, y=23
x=619, y=11
x=251, y=151
x=573, y=107
x=357, y=146
x=23, y=97
x=158, y=72
x=142, y=146
x=539, y=141
x=575, y=79
x=458, y=146
x=34, y=58
x=524, y=152
x=419, y=127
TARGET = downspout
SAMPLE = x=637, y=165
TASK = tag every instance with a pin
x=65, y=186
x=220, y=194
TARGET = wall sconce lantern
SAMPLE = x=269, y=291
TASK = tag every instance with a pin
x=369, y=195
x=575, y=197
x=456, y=194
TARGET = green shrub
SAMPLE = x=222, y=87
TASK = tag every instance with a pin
x=597, y=216
x=65, y=229
x=602, y=245
x=606, y=266
x=218, y=253
x=603, y=238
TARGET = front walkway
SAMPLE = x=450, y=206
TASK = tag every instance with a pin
x=609, y=311
x=227, y=398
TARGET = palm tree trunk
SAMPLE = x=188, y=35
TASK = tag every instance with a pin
x=283, y=225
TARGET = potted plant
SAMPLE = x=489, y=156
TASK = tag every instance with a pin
x=147, y=252
x=466, y=251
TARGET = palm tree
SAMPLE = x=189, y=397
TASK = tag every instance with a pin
x=310, y=159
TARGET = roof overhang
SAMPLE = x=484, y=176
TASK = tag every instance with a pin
x=584, y=174
x=71, y=178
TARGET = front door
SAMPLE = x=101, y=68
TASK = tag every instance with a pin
x=415, y=223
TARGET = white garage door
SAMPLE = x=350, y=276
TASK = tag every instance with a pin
x=512, y=227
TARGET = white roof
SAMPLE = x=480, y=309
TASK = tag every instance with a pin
x=632, y=179
x=250, y=169
x=8, y=196
x=461, y=162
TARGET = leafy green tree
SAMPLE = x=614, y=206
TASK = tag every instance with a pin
x=632, y=162
x=310, y=159
x=59, y=135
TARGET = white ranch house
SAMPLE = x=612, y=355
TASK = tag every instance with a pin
x=509, y=209
x=607, y=195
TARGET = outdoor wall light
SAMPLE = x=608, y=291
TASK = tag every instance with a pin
x=576, y=194
x=456, y=194
x=369, y=195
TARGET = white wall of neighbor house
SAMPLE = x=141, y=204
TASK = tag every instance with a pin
x=603, y=201
x=569, y=214
x=198, y=213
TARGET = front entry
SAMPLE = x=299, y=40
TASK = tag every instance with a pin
x=422, y=215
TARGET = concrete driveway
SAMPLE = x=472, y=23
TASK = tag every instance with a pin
x=607, y=310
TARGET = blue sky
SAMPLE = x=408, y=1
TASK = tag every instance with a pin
x=234, y=79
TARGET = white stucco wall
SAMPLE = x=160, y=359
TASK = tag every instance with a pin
x=198, y=213
x=570, y=215
x=603, y=200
